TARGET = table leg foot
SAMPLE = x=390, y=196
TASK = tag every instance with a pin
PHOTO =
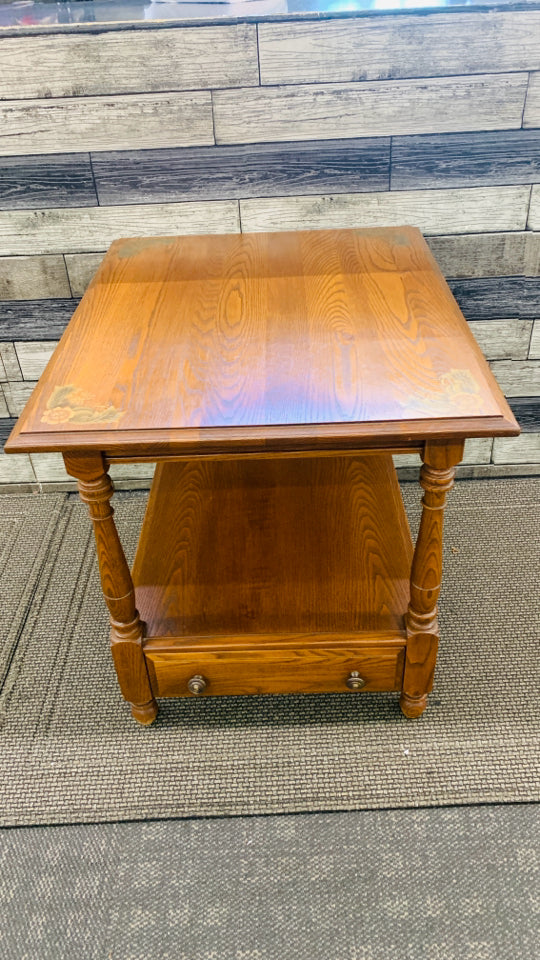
x=145, y=713
x=413, y=707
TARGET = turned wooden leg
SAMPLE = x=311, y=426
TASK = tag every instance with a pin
x=96, y=490
x=436, y=478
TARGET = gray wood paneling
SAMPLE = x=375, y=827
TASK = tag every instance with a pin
x=523, y=449
x=49, y=468
x=81, y=267
x=16, y=396
x=61, y=181
x=129, y=61
x=527, y=413
x=534, y=350
x=477, y=450
x=93, y=228
x=499, y=297
x=16, y=469
x=33, y=278
x=263, y=170
x=499, y=339
x=35, y=319
x=399, y=46
x=34, y=356
x=451, y=211
x=531, y=116
x=533, y=221
x=4, y=411
x=517, y=378
x=6, y=426
x=465, y=159
x=105, y=123
x=9, y=364
x=489, y=102
x=488, y=254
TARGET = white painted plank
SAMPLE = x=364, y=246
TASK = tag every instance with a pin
x=399, y=46
x=34, y=356
x=534, y=349
x=16, y=395
x=87, y=229
x=502, y=339
x=81, y=267
x=386, y=108
x=10, y=362
x=477, y=450
x=454, y=211
x=33, y=278
x=531, y=115
x=105, y=123
x=16, y=468
x=134, y=61
x=517, y=378
x=533, y=222
x=488, y=254
x=522, y=449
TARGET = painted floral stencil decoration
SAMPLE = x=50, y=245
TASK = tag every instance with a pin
x=70, y=405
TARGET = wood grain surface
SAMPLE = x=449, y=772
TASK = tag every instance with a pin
x=81, y=267
x=503, y=339
x=497, y=297
x=433, y=211
x=293, y=338
x=105, y=123
x=466, y=159
x=518, y=378
x=32, y=278
x=35, y=319
x=527, y=412
x=256, y=170
x=129, y=61
x=524, y=449
x=386, y=108
x=272, y=547
x=373, y=48
x=94, y=228
x=488, y=254
x=63, y=180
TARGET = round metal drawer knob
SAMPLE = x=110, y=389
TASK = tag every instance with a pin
x=354, y=681
x=197, y=684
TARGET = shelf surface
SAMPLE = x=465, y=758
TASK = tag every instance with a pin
x=282, y=549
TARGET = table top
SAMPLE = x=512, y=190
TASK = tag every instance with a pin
x=277, y=341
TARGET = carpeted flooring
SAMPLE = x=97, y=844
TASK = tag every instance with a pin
x=433, y=884
x=71, y=753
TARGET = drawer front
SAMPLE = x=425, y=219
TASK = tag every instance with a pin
x=306, y=670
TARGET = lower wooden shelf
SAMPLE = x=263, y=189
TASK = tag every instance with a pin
x=274, y=576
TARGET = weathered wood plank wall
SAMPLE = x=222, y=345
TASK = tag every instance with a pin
x=429, y=119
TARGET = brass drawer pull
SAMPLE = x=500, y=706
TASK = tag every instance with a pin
x=354, y=681
x=197, y=684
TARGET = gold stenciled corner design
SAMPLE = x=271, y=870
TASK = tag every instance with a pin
x=68, y=404
x=457, y=388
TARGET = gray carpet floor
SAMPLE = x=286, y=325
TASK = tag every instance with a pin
x=433, y=884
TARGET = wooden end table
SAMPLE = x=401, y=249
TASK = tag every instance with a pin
x=271, y=377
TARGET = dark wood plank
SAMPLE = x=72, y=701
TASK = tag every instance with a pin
x=35, y=319
x=260, y=170
x=64, y=180
x=466, y=159
x=498, y=297
x=6, y=426
x=527, y=412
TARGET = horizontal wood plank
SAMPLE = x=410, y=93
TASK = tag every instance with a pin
x=502, y=339
x=531, y=115
x=534, y=349
x=81, y=267
x=533, y=222
x=223, y=172
x=6, y=426
x=389, y=108
x=64, y=180
x=465, y=159
x=517, y=378
x=34, y=356
x=523, y=449
x=105, y=123
x=33, y=278
x=35, y=319
x=433, y=211
x=527, y=412
x=94, y=228
x=9, y=364
x=499, y=297
x=16, y=396
x=4, y=409
x=399, y=46
x=488, y=254
x=477, y=450
x=16, y=469
x=129, y=61
x=49, y=468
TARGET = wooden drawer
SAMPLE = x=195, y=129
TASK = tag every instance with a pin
x=304, y=670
